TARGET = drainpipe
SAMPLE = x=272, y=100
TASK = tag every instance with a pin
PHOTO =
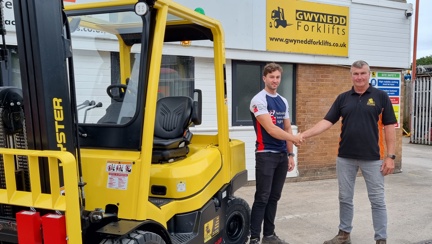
x=413, y=68
x=414, y=62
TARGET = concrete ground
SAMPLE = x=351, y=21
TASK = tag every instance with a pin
x=308, y=211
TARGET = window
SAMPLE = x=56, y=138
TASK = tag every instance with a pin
x=177, y=76
x=247, y=81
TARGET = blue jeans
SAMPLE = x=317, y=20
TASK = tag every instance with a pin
x=270, y=172
x=346, y=173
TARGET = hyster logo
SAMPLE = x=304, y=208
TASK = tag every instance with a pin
x=59, y=126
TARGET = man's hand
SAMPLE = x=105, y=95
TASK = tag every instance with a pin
x=388, y=166
x=291, y=164
x=299, y=139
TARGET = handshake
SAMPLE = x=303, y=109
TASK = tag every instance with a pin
x=298, y=139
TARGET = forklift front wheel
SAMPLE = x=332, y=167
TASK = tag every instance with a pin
x=137, y=237
x=237, y=221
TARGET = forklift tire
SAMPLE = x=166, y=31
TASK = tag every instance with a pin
x=136, y=237
x=237, y=221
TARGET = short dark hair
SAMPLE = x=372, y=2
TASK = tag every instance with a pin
x=359, y=64
x=272, y=67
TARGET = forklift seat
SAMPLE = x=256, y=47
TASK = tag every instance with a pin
x=174, y=115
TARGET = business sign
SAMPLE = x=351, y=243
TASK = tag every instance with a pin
x=389, y=82
x=307, y=27
x=8, y=14
x=9, y=21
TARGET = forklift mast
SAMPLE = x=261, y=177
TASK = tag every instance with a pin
x=43, y=53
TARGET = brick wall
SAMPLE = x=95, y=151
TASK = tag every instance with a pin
x=317, y=88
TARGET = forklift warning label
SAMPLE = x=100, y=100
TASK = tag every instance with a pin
x=211, y=229
x=118, y=174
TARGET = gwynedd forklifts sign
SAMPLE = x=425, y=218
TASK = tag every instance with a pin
x=306, y=27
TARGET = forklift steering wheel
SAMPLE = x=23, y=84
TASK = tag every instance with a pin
x=117, y=91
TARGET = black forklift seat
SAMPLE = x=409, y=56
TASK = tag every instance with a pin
x=171, y=134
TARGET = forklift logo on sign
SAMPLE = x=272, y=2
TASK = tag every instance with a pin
x=278, y=18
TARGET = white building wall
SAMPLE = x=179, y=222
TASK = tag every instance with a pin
x=380, y=34
x=204, y=80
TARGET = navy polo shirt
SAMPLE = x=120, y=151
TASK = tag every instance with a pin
x=363, y=119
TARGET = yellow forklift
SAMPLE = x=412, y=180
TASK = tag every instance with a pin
x=104, y=140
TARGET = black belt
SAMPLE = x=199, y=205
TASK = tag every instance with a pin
x=273, y=152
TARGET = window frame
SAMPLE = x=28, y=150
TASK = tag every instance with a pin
x=235, y=91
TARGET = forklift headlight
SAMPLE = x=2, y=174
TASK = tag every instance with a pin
x=141, y=8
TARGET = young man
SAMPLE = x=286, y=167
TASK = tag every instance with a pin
x=273, y=154
x=365, y=112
